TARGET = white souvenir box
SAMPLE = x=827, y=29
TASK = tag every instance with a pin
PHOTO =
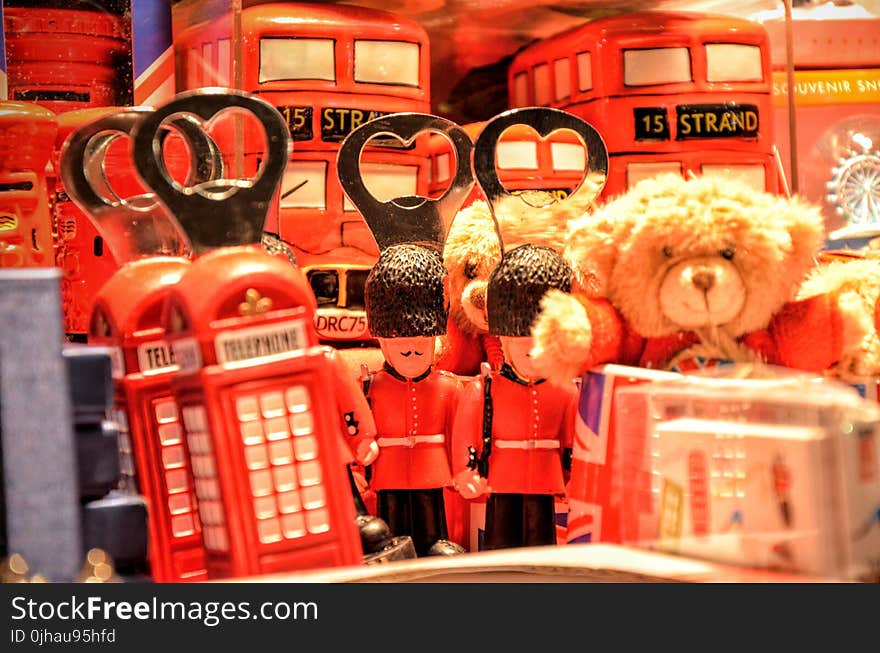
x=780, y=473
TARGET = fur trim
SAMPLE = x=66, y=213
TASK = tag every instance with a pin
x=563, y=338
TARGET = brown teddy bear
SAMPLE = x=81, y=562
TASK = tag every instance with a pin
x=677, y=273
x=854, y=276
x=472, y=251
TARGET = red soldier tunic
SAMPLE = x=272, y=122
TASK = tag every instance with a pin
x=413, y=424
x=533, y=423
x=356, y=420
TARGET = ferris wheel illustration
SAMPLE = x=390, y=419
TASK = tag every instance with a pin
x=854, y=189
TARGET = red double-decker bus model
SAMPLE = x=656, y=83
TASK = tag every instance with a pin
x=327, y=68
x=679, y=92
x=126, y=317
x=65, y=59
x=271, y=418
x=27, y=133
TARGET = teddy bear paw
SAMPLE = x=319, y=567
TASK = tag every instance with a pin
x=563, y=338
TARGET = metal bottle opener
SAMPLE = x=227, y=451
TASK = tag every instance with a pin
x=410, y=218
x=134, y=226
x=218, y=212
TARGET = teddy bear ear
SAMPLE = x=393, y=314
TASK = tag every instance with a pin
x=806, y=228
x=591, y=249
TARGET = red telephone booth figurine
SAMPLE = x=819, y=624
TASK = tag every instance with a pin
x=263, y=406
x=27, y=133
x=271, y=418
x=127, y=316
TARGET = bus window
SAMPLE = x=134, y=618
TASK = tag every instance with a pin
x=304, y=185
x=386, y=181
x=443, y=167
x=516, y=154
x=297, y=59
x=386, y=62
x=542, y=85
x=521, y=89
x=733, y=62
x=752, y=174
x=355, y=280
x=562, y=76
x=567, y=156
x=656, y=66
x=635, y=172
x=325, y=285
x=585, y=71
x=224, y=61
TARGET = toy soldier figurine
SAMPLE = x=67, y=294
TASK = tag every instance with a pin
x=521, y=426
x=407, y=302
x=413, y=404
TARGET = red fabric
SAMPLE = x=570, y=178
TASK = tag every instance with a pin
x=805, y=335
x=465, y=351
x=520, y=412
x=409, y=408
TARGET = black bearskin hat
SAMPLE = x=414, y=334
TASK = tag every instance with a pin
x=517, y=285
x=404, y=295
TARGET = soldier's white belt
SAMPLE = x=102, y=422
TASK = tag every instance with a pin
x=526, y=444
x=411, y=440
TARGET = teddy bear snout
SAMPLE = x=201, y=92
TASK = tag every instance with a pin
x=477, y=296
x=703, y=280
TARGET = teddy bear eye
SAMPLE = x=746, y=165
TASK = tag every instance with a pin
x=727, y=253
x=470, y=270
x=667, y=251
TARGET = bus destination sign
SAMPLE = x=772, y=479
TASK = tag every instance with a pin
x=716, y=121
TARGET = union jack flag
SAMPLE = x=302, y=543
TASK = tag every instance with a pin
x=152, y=52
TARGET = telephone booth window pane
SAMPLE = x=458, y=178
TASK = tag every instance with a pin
x=269, y=531
x=309, y=473
x=179, y=503
x=272, y=404
x=542, y=85
x=304, y=185
x=261, y=483
x=386, y=181
x=176, y=480
x=313, y=497
x=521, y=89
x=276, y=428
x=568, y=156
x=182, y=525
x=585, y=71
x=301, y=424
x=166, y=411
x=289, y=502
x=656, y=66
x=285, y=478
x=265, y=507
x=172, y=456
x=386, y=62
x=281, y=453
x=318, y=521
x=203, y=466
x=517, y=154
x=224, y=61
x=256, y=457
x=169, y=433
x=247, y=409
x=733, y=62
x=297, y=58
x=562, y=73
x=252, y=432
x=207, y=488
x=194, y=419
x=306, y=447
x=297, y=399
x=294, y=526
